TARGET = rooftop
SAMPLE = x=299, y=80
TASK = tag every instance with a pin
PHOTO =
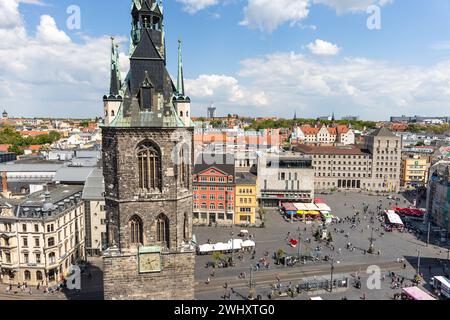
x=94, y=187
x=245, y=178
x=73, y=174
x=332, y=150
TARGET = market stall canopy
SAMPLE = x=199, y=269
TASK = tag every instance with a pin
x=323, y=207
x=393, y=217
x=248, y=244
x=417, y=293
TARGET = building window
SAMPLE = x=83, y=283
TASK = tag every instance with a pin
x=25, y=242
x=149, y=168
x=135, y=225
x=38, y=275
x=52, y=257
x=184, y=167
x=24, y=228
x=51, y=242
x=36, y=242
x=27, y=275
x=26, y=258
x=38, y=258
x=162, y=230
x=36, y=228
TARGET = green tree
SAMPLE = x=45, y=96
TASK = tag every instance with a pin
x=420, y=144
x=16, y=149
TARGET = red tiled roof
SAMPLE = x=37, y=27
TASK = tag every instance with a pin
x=4, y=147
x=33, y=133
x=307, y=130
x=342, y=129
x=33, y=147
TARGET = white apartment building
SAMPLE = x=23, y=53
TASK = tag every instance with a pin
x=41, y=236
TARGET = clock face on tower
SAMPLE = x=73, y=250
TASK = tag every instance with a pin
x=150, y=262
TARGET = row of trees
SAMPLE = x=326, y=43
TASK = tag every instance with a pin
x=10, y=136
x=436, y=129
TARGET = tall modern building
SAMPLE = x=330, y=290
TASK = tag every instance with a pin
x=212, y=112
x=147, y=157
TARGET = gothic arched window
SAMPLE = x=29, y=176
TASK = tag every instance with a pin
x=112, y=113
x=185, y=228
x=162, y=230
x=149, y=168
x=135, y=225
x=184, y=166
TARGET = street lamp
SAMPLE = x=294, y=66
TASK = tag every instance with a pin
x=299, y=243
x=232, y=248
x=371, y=247
x=251, y=276
x=418, y=261
x=332, y=273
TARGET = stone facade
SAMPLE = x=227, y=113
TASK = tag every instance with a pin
x=125, y=199
x=147, y=167
x=123, y=282
x=374, y=166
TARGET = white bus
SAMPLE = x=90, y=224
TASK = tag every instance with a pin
x=442, y=286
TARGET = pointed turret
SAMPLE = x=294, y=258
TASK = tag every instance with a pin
x=111, y=102
x=182, y=102
x=150, y=97
x=116, y=78
x=180, y=81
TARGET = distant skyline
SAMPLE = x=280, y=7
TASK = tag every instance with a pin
x=250, y=57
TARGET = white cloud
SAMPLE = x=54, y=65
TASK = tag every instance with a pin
x=344, y=6
x=192, y=6
x=267, y=15
x=323, y=48
x=48, y=32
x=49, y=74
x=441, y=45
x=224, y=90
x=369, y=88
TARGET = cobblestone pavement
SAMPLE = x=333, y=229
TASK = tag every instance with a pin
x=392, y=245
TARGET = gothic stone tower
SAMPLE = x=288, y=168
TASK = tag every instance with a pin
x=147, y=157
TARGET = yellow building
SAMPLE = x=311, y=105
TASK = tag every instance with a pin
x=246, y=204
x=414, y=171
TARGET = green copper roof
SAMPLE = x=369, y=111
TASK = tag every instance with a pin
x=180, y=81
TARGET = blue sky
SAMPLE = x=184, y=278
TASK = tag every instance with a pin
x=309, y=56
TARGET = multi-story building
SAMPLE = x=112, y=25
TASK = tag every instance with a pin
x=95, y=214
x=246, y=201
x=438, y=195
x=421, y=119
x=414, y=170
x=324, y=135
x=41, y=236
x=372, y=166
x=287, y=177
x=214, y=190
